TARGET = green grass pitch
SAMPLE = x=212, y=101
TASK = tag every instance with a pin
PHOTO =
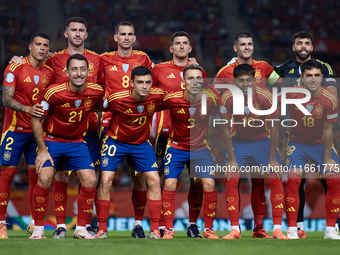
x=120, y=242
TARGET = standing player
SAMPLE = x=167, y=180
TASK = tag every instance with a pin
x=168, y=76
x=61, y=140
x=312, y=139
x=291, y=72
x=188, y=144
x=118, y=66
x=251, y=146
x=244, y=47
x=76, y=34
x=22, y=85
x=133, y=110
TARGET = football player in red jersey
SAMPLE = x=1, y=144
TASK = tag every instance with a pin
x=76, y=34
x=60, y=139
x=188, y=144
x=251, y=146
x=312, y=139
x=168, y=76
x=21, y=88
x=118, y=66
x=244, y=47
x=132, y=110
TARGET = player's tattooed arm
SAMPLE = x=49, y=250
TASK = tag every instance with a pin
x=9, y=102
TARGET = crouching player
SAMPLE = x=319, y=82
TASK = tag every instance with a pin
x=188, y=145
x=127, y=135
x=251, y=146
x=312, y=139
x=67, y=107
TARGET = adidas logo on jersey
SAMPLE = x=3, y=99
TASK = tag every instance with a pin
x=41, y=209
x=291, y=209
x=171, y=76
x=128, y=110
x=231, y=208
x=28, y=79
x=66, y=105
x=114, y=68
x=155, y=165
x=59, y=209
x=279, y=206
x=291, y=71
x=335, y=210
x=181, y=111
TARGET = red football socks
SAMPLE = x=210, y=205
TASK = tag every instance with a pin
x=155, y=207
x=7, y=175
x=85, y=205
x=33, y=177
x=232, y=199
x=292, y=198
x=209, y=208
x=332, y=199
x=60, y=200
x=40, y=204
x=139, y=201
x=168, y=207
x=276, y=198
x=258, y=201
x=195, y=199
x=103, y=209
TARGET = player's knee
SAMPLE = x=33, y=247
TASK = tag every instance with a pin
x=208, y=184
x=45, y=180
x=61, y=176
x=153, y=180
x=170, y=185
x=105, y=184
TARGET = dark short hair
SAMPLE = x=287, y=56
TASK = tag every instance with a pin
x=241, y=35
x=75, y=20
x=310, y=64
x=140, y=71
x=243, y=69
x=302, y=35
x=124, y=23
x=192, y=67
x=42, y=35
x=77, y=57
x=178, y=34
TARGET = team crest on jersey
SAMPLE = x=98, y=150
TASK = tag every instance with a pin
x=91, y=68
x=105, y=162
x=44, y=81
x=87, y=103
x=258, y=75
x=151, y=107
x=77, y=103
x=125, y=67
x=246, y=110
x=223, y=109
x=319, y=111
x=36, y=79
x=309, y=108
x=140, y=108
x=9, y=77
x=7, y=155
x=135, y=65
x=192, y=111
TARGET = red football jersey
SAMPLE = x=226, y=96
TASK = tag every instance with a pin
x=309, y=129
x=262, y=71
x=58, y=63
x=168, y=77
x=190, y=127
x=67, y=112
x=131, y=119
x=262, y=100
x=117, y=71
x=29, y=83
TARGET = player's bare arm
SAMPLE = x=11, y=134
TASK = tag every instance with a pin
x=9, y=102
x=328, y=141
x=274, y=143
x=43, y=154
x=333, y=89
x=232, y=164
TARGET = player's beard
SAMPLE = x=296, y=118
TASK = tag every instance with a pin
x=303, y=57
